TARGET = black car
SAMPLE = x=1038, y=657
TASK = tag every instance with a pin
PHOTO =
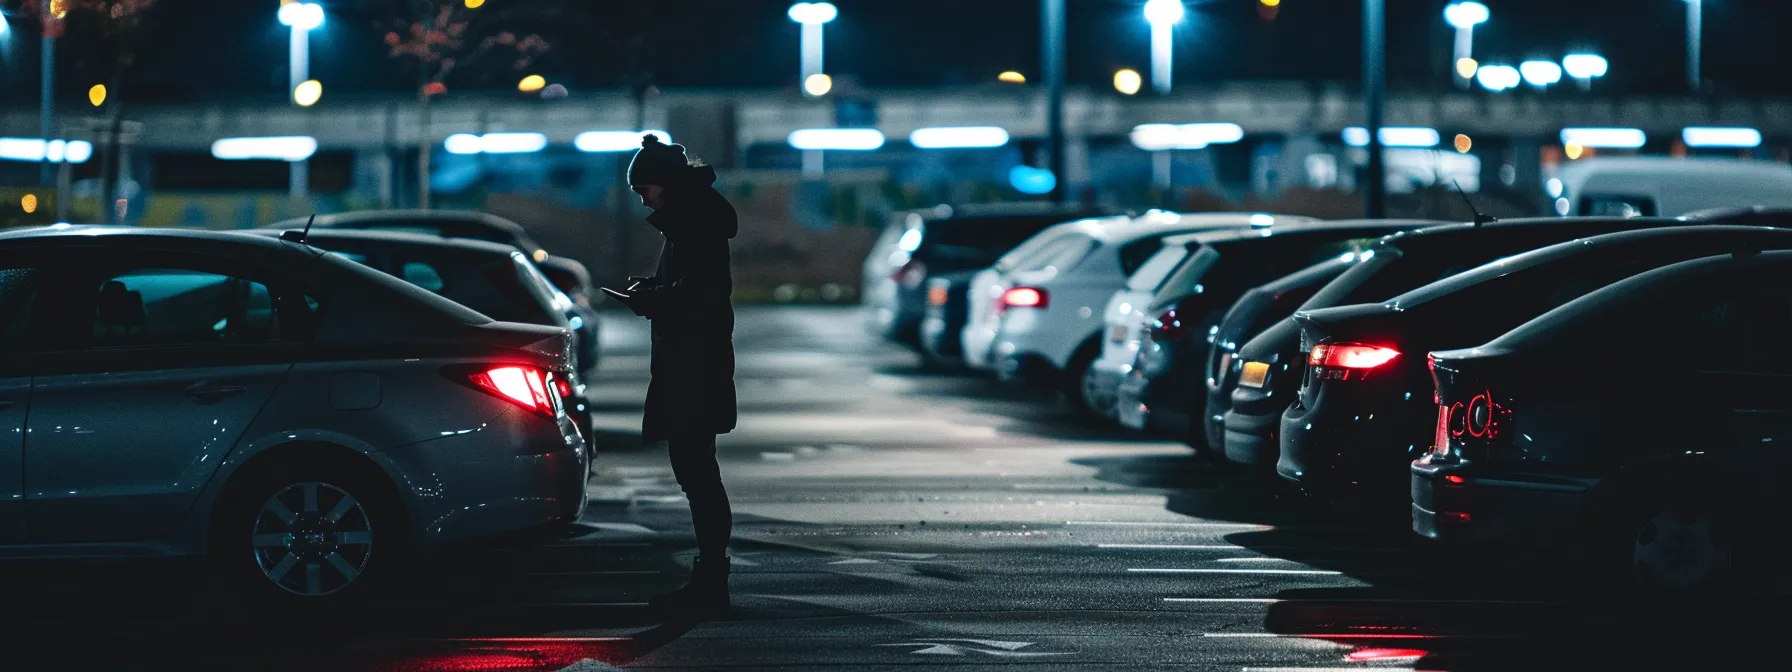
x=492, y=278
x=568, y=275
x=1645, y=422
x=941, y=241
x=1364, y=411
x=1254, y=312
x=1400, y=263
x=1166, y=389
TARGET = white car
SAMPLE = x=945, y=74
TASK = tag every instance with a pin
x=1049, y=329
x=978, y=336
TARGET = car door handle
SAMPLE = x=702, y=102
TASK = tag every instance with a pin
x=206, y=393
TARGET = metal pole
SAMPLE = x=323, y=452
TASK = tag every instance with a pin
x=1162, y=56
x=1465, y=48
x=47, y=109
x=812, y=55
x=1053, y=43
x=1374, y=95
x=301, y=71
x=1695, y=19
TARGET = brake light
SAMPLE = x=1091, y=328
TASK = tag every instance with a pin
x=1480, y=422
x=1168, y=326
x=525, y=386
x=911, y=274
x=1351, y=356
x=565, y=388
x=936, y=296
x=1025, y=297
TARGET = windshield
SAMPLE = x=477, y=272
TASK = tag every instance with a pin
x=1152, y=273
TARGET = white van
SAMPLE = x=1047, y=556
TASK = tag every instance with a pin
x=1666, y=187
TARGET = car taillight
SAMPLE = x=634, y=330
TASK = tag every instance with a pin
x=1025, y=297
x=936, y=296
x=525, y=386
x=1478, y=422
x=911, y=274
x=565, y=388
x=1349, y=361
x=1168, y=326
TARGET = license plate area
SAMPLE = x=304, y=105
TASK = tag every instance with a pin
x=1254, y=374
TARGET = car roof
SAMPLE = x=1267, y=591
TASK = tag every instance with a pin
x=1300, y=227
x=196, y=240
x=1541, y=325
x=1667, y=237
x=396, y=238
x=367, y=218
x=1161, y=222
x=1018, y=209
x=1455, y=231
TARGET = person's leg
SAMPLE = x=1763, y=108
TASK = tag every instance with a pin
x=694, y=465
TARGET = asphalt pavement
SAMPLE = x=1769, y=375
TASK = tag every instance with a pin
x=891, y=516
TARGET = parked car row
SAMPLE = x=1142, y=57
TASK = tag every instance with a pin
x=309, y=410
x=1605, y=382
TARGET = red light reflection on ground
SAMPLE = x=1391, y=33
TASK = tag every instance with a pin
x=1364, y=655
x=512, y=654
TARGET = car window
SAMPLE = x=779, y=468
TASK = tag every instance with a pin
x=1603, y=205
x=1061, y=254
x=538, y=284
x=422, y=275
x=163, y=306
x=18, y=296
x=1134, y=254
x=1155, y=270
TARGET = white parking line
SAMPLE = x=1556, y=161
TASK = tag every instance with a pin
x=1254, y=560
x=1236, y=547
x=1175, y=547
x=1314, y=572
x=1115, y=523
x=1355, y=600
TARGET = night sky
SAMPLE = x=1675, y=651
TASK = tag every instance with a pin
x=209, y=49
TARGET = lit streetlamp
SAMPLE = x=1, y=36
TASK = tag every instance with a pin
x=1584, y=68
x=302, y=17
x=1464, y=16
x=1163, y=15
x=812, y=15
x=1540, y=74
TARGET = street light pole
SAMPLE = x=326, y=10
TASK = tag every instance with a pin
x=812, y=16
x=47, y=108
x=1163, y=15
x=1374, y=96
x=1464, y=16
x=1053, y=42
x=301, y=17
x=1695, y=20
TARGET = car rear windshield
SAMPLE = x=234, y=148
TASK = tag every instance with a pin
x=407, y=291
x=1151, y=274
x=979, y=240
x=1062, y=253
x=1134, y=254
x=1403, y=265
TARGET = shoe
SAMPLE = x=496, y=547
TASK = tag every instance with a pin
x=706, y=595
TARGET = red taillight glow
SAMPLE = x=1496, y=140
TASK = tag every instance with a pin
x=911, y=274
x=565, y=388
x=1455, y=479
x=1351, y=355
x=524, y=386
x=1168, y=326
x=1024, y=297
x=1362, y=655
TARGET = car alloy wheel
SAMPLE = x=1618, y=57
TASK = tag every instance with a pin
x=1681, y=555
x=312, y=539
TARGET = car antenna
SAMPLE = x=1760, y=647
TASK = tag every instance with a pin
x=1480, y=218
x=300, y=236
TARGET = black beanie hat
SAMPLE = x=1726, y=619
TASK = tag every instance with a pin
x=657, y=163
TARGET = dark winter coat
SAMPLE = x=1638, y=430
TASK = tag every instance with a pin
x=692, y=387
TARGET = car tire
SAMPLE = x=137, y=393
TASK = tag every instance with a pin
x=1088, y=395
x=1671, y=554
x=310, y=536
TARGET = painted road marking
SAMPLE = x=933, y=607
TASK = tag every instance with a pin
x=1235, y=547
x=1359, y=600
x=1254, y=560
x=1176, y=547
x=1116, y=523
x=990, y=647
x=1314, y=572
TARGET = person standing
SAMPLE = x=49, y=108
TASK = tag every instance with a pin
x=690, y=399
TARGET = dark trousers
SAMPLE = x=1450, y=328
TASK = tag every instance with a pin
x=694, y=465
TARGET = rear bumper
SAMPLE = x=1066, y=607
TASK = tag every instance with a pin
x=1251, y=440
x=977, y=344
x=939, y=337
x=510, y=475
x=1360, y=455
x=1504, y=510
x=1137, y=410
